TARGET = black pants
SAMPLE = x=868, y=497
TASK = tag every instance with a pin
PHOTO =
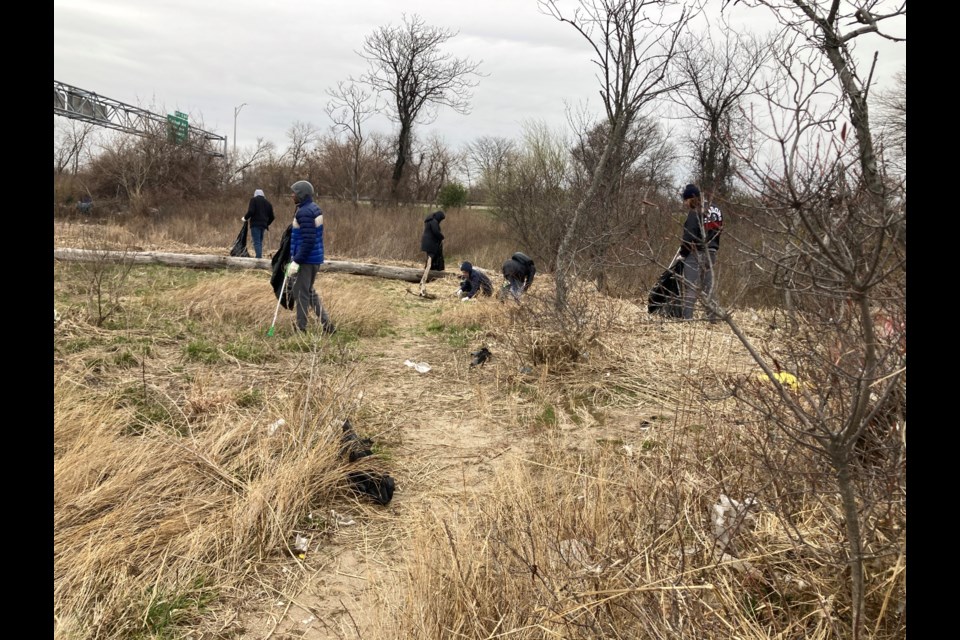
x=436, y=261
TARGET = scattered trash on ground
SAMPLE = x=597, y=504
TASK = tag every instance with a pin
x=421, y=367
x=480, y=356
x=341, y=520
x=784, y=378
x=272, y=429
x=301, y=545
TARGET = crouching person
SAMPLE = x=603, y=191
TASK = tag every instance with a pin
x=473, y=282
x=518, y=272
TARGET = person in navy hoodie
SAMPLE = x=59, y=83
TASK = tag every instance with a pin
x=306, y=256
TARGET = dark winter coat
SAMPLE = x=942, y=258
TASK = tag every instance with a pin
x=701, y=238
x=259, y=212
x=476, y=282
x=520, y=269
x=306, y=236
x=432, y=239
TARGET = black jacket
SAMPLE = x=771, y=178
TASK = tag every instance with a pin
x=432, y=239
x=476, y=282
x=520, y=268
x=701, y=230
x=260, y=212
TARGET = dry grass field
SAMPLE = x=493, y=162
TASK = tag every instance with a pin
x=570, y=487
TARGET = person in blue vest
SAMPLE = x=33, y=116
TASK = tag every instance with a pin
x=306, y=256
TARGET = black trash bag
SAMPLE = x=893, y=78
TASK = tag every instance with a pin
x=278, y=264
x=352, y=445
x=376, y=486
x=666, y=296
x=239, y=248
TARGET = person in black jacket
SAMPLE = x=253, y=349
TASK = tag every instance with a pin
x=518, y=271
x=698, y=249
x=472, y=282
x=432, y=240
x=260, y=216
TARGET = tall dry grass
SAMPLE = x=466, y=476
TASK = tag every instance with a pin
x=617, y=537
x=174, y=498
x=175, y=486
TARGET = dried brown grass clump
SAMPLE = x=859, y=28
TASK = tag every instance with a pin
x=152, y=526
x=612, y=543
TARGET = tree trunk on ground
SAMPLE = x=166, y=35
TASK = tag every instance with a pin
x=206, y=261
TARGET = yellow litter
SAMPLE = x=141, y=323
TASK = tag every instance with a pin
x=784, y=378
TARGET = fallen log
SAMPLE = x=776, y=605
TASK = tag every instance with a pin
x=206, y=261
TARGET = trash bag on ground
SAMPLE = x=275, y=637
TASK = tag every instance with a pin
x=239, y=248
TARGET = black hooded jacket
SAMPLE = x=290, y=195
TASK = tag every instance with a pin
x=432, y=240
x=519, y=268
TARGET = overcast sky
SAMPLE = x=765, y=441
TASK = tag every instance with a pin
x=208, y=57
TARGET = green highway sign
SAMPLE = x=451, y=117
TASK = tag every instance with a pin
x=178, y=126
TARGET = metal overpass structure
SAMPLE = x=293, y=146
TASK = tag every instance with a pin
x=80, y=104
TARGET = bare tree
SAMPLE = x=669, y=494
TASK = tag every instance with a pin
x=302, y=136
x=487, y=157
x=70, y=142
x=349, y=107
x=250, y=157
x=892, y=121
x=837, y=24
x=618, y=212
x=832, y=230
x=406, y=64
x=435, y=163
x=712, y=78
x=633, y=42
x=533, y=190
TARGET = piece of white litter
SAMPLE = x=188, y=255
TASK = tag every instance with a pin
x=56, y=316
x=272, y=429
x=627, y=450
x=342, y=521
x=729, y=516
x=421, y=367
x=308, y=620
x=300, y=543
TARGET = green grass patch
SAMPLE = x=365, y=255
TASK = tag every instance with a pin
x=250, y=398
x=255, y=352
x=166, y=611
x=149, y=410
x=457, y=337
x=547, y=417
x=123, y=358
x=200, y=350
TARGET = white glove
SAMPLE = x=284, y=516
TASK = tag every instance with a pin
x=292, y=269
x=466, y=299
x=243, y=218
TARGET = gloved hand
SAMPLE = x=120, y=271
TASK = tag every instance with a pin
x=466, y=299
x=292, y=269
x=243, y=218
x=457, y=291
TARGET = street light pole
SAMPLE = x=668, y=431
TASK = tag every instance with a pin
x=236, y=112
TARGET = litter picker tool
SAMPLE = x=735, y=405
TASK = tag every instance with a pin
x=275, y=313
